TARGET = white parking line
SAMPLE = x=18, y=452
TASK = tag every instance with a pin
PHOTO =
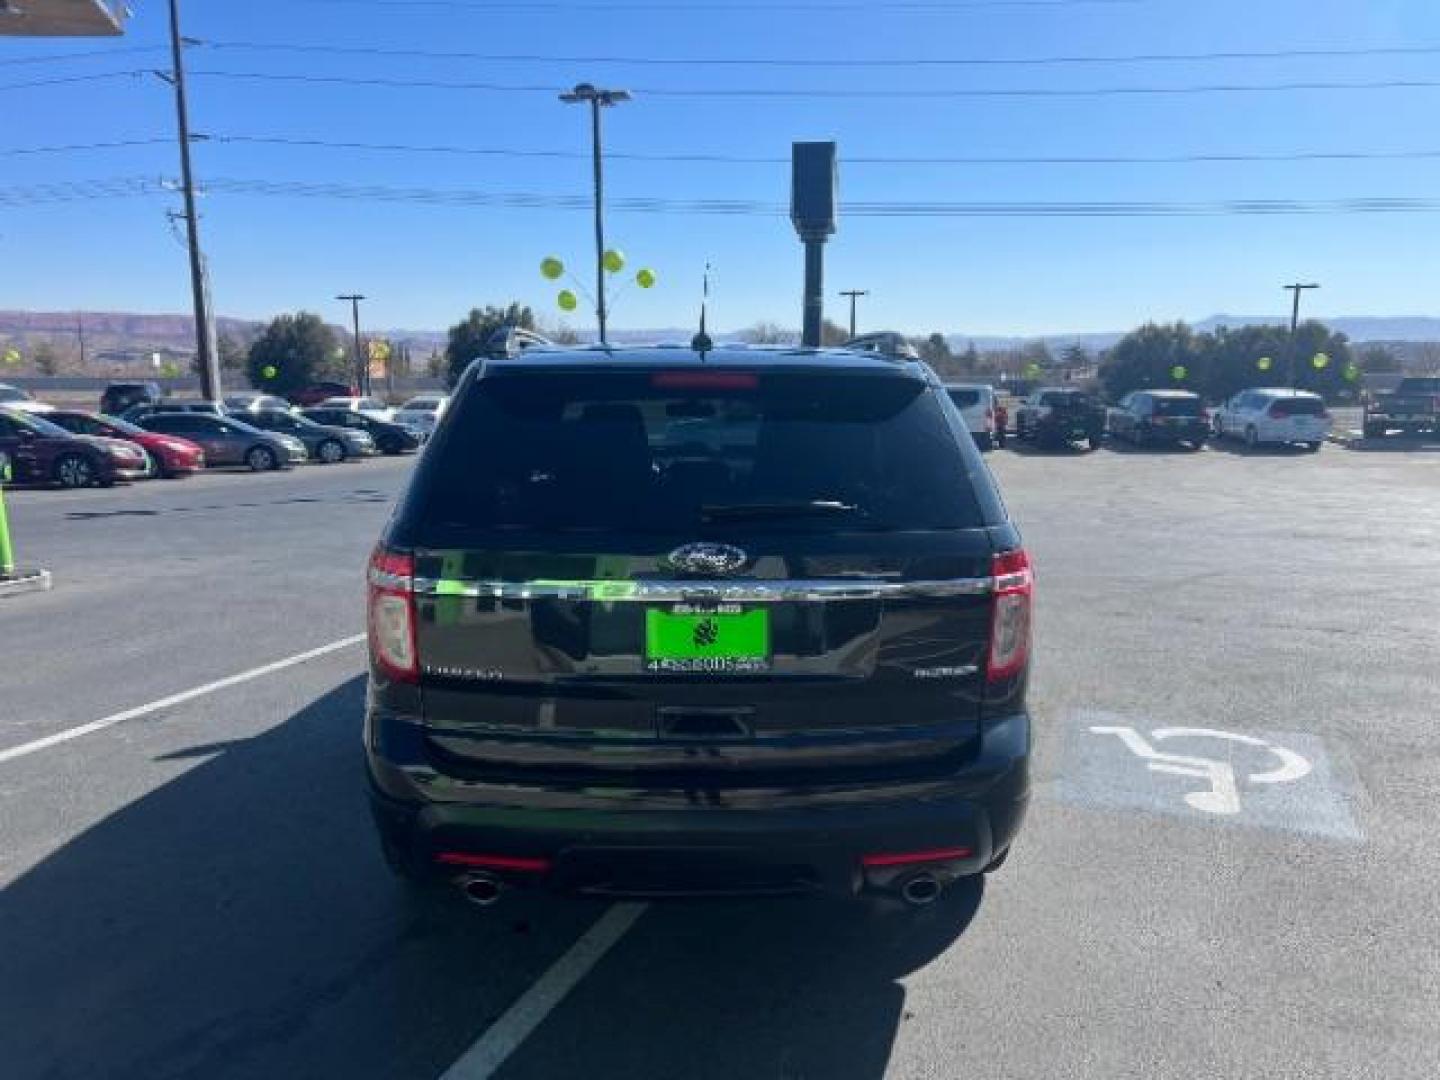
x=174, y=699
x=504, y=1036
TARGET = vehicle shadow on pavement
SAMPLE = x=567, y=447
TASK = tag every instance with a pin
x=1238, y=448
x=1032, y=449
x=1119, y=446
x=237, y=921
x=755, y=989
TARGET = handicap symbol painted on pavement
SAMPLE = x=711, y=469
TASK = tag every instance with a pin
x=1282, y=780
x=1223, y=796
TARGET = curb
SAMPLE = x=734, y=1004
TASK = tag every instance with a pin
x=25, y=581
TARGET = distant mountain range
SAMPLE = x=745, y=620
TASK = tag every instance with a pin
x=113, y=338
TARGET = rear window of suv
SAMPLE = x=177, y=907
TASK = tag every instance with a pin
x=1177, y=406
x=694, y=451
x=1300, y=406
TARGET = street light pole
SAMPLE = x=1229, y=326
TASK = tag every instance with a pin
x=853, y=294
x=205, y=359
x=1297, y=289
x=597, y=99
x=362, y=371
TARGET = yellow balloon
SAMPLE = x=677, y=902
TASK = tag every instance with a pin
x=613, y=261
x=269, y=371
x=645, y=278
x=1179, y=372
x=12, y=356
x=567, y=300
x=1264, y=363
x=1321, y=361
x=552, y=268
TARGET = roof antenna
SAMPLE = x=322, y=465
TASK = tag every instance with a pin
x=701, y=342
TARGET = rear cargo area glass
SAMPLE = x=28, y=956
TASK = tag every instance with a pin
x=661, y=451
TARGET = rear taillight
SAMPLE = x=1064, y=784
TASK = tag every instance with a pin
x=392, y=615
x=1010, y=617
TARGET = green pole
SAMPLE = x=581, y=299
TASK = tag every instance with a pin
x=7, y=553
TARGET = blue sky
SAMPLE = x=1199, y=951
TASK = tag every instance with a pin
x=425, y=265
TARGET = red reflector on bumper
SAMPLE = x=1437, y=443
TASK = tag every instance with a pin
x=493, y=862
x=905, y=858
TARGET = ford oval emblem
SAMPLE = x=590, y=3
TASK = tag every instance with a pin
x=714, y=560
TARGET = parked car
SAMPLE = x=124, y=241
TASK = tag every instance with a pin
x=170, y=456
x=1060, y=416
x=1412, y=408
x=1274, y=417
x=976, y=402
x=389, y=438
x=327, y=444
x=1160, y=418
x=422, y=412
x=44, y=453
x=119, y=396
x=253, y=401
x=369, y=406
x=817, y=615
x=136, y=413
x=228, y=441
x=317, y=392
x=12, y=397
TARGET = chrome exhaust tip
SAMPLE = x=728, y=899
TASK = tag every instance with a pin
x=921, y=889
x=482, y=889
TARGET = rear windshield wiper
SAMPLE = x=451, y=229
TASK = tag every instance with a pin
x=756, y=511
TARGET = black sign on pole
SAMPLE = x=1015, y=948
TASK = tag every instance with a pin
x=814, y=184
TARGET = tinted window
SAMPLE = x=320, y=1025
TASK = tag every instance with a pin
x=654, y=453
x=8, y=427
x=964, y=399
x=173, y=422
x=9, y=393
x=1302, y=406
x=1177, y=406
x=1419, y=386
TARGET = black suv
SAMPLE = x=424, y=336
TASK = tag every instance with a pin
x=1060, y=416
x=654, y=622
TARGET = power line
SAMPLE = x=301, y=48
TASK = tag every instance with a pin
x=825, y=62
x=859, y=159
x=77, y=147
x=833, y=93
x=88, y=54
x=96, y=77
x=116, y=187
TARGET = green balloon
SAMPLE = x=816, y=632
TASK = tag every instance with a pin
x=1264, y=363
x=552, y=268
x=1179, y=372
x=12, y=356
x=645, y=278
x=1352, y=372
x=567, y=300
x=269, y=371
x=1320, y=361
x=613, y=261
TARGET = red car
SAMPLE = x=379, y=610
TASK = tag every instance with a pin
x=44, y=453
x=315, y=393
x=170, y=456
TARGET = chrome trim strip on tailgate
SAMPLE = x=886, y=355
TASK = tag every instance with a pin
x=679, y=591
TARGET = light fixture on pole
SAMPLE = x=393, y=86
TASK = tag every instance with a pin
x=597, y=99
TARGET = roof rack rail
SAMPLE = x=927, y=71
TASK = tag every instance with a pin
x=511, y=340
x=888, y=343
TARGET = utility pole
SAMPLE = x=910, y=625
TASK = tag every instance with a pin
x=205, y=359
x=853, y=294
x=362, y=369
x=1297, y=289
x=80, y=334
x=597, y=100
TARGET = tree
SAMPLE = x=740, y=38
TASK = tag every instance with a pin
x=232, y=354
x=768, y=333
x=1163, y=356
x=45, y=359
x=935, y=351
x=294, y=351
x=469, y=337
x=1036, y=354
x=832, y=333
x=969, y=360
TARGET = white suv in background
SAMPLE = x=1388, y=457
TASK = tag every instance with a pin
x=372, y=407
x=976, y=402
x=1274, y=417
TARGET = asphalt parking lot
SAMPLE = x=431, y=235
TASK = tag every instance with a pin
x=1228, y=871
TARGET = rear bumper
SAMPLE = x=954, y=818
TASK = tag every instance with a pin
x=702, y=841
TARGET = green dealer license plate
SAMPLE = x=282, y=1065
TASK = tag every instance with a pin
x=714, y=639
